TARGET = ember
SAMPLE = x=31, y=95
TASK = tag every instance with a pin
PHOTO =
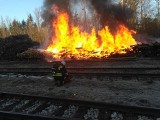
x=69, y=41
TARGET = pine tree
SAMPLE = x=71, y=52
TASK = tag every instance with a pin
x=15, y=28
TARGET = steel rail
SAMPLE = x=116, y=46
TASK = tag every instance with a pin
x=94, y=68
x=104, y=108
x=104, y=59
x=82, y=60
x=107, y=71
x=117, y=74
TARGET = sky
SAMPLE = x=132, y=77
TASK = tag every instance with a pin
x=18, y=9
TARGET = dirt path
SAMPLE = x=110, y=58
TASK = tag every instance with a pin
x=108, y=89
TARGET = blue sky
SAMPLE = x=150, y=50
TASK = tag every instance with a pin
x=18, y=9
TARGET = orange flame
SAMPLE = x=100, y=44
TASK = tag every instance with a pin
x=69, y=41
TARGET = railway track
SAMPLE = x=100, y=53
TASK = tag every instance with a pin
x=97, y=71
x=18, y=107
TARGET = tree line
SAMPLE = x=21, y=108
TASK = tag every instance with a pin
x=145, y=20
x=146, y=17
x=14, y=28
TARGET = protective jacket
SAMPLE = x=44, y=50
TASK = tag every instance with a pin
x=59, y=70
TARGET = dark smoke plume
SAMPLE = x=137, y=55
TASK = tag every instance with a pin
x=49, y=15
x=110, y=13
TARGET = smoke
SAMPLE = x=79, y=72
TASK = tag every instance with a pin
x=107, y=10
x=146, y=39
x=49, y=14
x=111, y=13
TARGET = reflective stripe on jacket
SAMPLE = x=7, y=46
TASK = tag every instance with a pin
x=57, y=74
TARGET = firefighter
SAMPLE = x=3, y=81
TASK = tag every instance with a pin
x=59, y=73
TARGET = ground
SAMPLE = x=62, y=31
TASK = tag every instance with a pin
x=126, y=91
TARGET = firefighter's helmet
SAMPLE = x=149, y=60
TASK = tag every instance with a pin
x=63, y=62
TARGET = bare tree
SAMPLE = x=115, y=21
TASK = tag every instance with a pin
x=4, y=32
x=133, y=5
x=158, y=10
x=38, y=18
x=158, y=14
x=8, y=21
x=84, y=13
x=158, y=4
x=15, y=28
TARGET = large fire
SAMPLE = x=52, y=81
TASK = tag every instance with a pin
x=69, y=41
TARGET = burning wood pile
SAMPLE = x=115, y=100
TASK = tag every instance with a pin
x=84, y=40
x=100, y=33
x=31, y=54
x=142, y=50
x=70, y=41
